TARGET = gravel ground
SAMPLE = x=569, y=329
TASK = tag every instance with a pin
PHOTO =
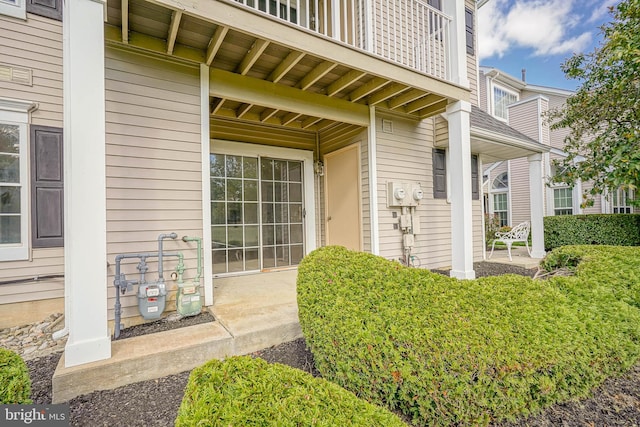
x=155, y=403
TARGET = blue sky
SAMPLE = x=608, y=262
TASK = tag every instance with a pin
x=539, y=35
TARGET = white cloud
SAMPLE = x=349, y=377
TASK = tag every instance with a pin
x=545, y=26
x=601, y=11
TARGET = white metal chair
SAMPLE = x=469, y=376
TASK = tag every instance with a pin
x=519, y=233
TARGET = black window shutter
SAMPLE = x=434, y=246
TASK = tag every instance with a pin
x=47, y=8
x=47, y=201
x=439, y=174
x=475, y=183
x=468, y=21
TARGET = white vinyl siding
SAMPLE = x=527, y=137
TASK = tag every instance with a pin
x=154, y=164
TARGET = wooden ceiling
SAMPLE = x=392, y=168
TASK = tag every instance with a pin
x=243, y=58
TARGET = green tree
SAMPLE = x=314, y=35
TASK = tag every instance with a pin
x=602, y=117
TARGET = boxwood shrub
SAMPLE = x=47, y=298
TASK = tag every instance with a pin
x=452, y=352
x=242, y=391
x=15, y=384
x=610, y=229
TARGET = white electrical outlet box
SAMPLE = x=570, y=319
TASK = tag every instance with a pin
x=408, y=240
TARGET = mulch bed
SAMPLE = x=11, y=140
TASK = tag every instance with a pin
x=155, y=402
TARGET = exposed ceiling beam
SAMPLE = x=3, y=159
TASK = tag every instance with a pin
x=272, y=95
x=285, y=66
x=252, y=56
x=113, y=36
x=125, y=21
x=216, y=104
x=434, y=109
x=243, y=109
x=316, y=74
x=344, y=81
x=324, y=124
x=386, y=93
x=405, y=98
x=290, y=118
x=215, y=43
x=267, y=114
x=173, y=30
x=368, y=88
x=252, y=117
x=421, y=103
x=307, y=123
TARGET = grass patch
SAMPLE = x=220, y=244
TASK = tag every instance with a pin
x=450, y=352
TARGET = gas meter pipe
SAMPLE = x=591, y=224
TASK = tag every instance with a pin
x=198, y=240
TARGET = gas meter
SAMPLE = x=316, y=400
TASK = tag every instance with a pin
x=152, y=299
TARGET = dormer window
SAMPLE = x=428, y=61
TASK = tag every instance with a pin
x=502, y=98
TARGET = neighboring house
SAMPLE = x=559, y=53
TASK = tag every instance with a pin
x=266, y=128
x=506, y=184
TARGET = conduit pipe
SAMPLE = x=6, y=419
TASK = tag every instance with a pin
x=123, y=285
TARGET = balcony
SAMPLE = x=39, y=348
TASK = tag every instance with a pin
x=407, y=32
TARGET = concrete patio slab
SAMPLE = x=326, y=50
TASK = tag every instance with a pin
x=252, y=312
x=519, y=255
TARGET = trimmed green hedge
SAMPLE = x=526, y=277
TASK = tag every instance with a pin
x=450, y=352
x=15, y=384
x=242, y=391
x=610, y=229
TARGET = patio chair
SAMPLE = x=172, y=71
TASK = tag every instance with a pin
x=519, y=233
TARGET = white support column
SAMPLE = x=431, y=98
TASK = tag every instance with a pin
x=457, y=41
x=206, y=185
x=85, y=240
x=460, y=192
x=536, y=194
x=373, y=183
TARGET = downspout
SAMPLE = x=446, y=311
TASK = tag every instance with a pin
x=373, y=182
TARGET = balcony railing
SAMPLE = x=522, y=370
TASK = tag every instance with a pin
x=408, y=32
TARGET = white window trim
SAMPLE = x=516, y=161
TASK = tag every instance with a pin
x=495, y=86
x=305, y=156
x=15, y=9
x=563, y=187
x=16, y=112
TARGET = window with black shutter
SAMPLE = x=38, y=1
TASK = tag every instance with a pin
x=47, y=8
x=468, y=24
x=439, y=174
x=47, y=201
x=475, y=182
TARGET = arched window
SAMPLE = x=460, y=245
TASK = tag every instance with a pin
x=501, y=182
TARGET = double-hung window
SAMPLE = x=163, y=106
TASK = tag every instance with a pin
x=14, y=215
x=500, y=195
x=563, y=201
x=620, y=201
